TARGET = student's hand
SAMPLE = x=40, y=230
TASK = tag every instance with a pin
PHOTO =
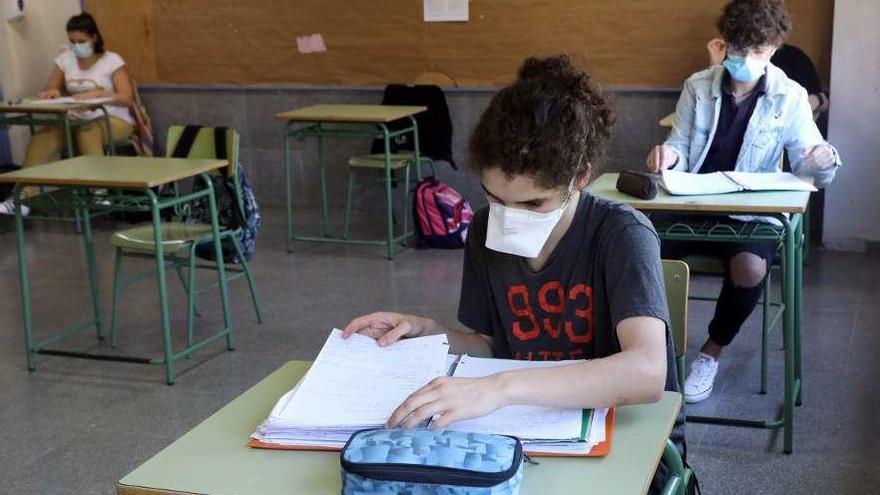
x=386, y=327
x=95, y=93
x=819, y=157
x=47, y=94
x=717, y=51
x=660, y=158
x=450, y=399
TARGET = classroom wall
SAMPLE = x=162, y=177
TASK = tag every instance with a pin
x=852, y=208
x=251, y=111
x=27, y=48
x=632, y=43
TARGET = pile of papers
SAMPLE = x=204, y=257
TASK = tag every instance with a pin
x=355, y=384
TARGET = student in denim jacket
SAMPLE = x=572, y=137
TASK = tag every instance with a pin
x=741, y=115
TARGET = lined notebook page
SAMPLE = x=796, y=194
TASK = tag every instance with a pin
x=356, y=382
x=770, y=181
x=525, y=422
x=688, y=184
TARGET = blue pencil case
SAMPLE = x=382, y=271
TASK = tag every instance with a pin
x=424, y=461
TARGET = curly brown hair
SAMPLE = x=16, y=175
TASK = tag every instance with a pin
x=748, y=24
x=550, y=124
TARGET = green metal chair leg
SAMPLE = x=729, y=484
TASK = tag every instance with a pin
x=675, y=485
x=345, y=228
x=405, y=211
x=93, y=276
x=389, y=206
x=185, y=285
x=117, y=282
x=250, y=279
x=191, y=292
x=765, y=333
x=77, y=221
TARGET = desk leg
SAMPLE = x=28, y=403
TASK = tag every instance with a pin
x=221, y=265
x=163, y=289
x=24, y=280
x=93, y=277
x=389, y=206
x=323, y=169
x=800, y=252
x=68, y=136
x=288, y=188
x=789, y=330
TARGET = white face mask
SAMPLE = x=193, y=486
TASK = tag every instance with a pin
x=83, y=49
x=520, y=232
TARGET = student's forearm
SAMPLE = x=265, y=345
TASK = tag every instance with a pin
x=628, y=377
x=460, y=342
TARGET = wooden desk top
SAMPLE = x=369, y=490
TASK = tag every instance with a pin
x=350, y=113
x=123, y=172
x=668, y=121
x=212, y=459
x=754, y=203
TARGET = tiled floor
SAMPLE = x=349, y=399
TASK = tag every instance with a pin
x=76, y=427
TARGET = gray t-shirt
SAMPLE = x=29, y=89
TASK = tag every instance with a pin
x=605, y=269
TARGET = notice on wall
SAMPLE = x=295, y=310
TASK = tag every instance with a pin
x=313, y=43
x=446, y=10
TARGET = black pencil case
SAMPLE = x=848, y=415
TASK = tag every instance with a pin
x=639, y=184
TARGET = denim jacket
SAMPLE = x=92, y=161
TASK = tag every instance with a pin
x=782, y=119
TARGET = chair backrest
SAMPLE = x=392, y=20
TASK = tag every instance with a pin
x=435, y=124
x=203, y=146
x=676, y=276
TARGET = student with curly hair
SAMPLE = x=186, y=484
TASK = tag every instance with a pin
x=741, y=115
x=550, y=272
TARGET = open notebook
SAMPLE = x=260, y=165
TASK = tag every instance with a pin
x=64, y=100
x=689, y=184
x=355, y=384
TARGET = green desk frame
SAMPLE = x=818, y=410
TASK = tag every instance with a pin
x=80, y=199
x=213, y=459
x=338, y=122
x=56, y=116
x=787, y=208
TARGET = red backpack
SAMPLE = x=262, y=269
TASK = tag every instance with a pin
x=442, y=215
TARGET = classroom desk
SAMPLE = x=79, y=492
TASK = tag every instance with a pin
x=786, y=206
x=667, y=121
x=212, y=459
x=131, y=181
x=58, y=115
x=347, y=121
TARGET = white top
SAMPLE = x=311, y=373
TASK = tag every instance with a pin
x=98, y=76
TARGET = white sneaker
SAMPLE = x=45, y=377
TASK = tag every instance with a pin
x=698, y=386
x=8, y=208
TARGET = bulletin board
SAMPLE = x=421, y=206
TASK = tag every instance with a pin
x=624, y=43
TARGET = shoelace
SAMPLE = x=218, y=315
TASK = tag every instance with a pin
x=703, y=372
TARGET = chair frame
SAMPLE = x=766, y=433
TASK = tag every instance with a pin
x=190, y=260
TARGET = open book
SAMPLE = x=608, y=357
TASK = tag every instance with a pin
x=355, y=384
x=689, y=184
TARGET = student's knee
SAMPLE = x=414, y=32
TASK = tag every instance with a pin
x=747, y=270
x=90, y=139
x=43, y=146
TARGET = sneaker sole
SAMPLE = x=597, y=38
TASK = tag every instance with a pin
x=693, y=399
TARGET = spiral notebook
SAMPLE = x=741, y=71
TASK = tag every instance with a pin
x=355, y=384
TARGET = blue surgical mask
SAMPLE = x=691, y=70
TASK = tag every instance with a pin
x=83, y=50
x=744, y=69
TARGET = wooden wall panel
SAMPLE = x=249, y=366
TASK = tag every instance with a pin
x=638, y=43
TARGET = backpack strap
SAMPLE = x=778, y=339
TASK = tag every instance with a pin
x=185, y=143
x=220, y=151
x=220, y=143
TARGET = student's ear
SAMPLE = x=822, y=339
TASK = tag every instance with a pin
x=583, y=177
